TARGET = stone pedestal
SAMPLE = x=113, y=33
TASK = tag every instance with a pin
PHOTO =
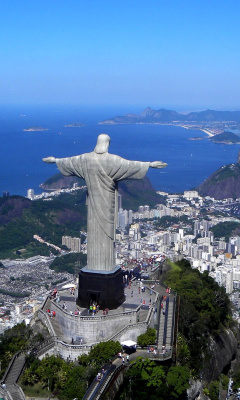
x=102, y=287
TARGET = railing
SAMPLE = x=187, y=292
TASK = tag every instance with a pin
x=20, y=392
x=96, y=317
x=44, y=318
x=6, y=395
x=173, y=320
x=108, y=374
x=127, y=327
x=166, y=322
x=47, y=345
x=159, y=320
x=6, y=392
x=107, y=382
x=14, y=357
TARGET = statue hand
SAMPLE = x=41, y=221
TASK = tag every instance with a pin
x=158, y=164
x=50, y=160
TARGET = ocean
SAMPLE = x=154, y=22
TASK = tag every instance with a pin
x=190, y=162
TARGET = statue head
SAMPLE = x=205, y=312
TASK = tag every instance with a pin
x=103, y=142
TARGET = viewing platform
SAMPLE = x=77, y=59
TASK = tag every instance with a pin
x=74, y=330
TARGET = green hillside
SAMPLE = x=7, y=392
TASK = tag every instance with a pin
x=66, y=214
x=21, y=219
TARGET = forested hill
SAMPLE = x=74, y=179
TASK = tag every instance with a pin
x=65, y=214
x=222, y=184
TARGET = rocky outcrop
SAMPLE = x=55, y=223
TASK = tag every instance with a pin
x=223, y=350
x=224, y=355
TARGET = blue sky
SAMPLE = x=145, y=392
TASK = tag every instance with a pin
x=176, y=54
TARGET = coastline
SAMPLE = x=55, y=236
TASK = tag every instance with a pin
x=208, y=132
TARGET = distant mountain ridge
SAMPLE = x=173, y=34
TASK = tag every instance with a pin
x=167, y=116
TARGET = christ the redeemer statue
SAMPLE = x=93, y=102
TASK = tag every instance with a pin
x=102, y=171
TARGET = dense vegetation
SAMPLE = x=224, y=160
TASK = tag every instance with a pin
x=148, y=338
x=18, y=338
x=148, y=380
x=204, y=310
x=66, y=380
x=225, y=229
x=64, y=215
x=167, y=221
x=71, y=263
x=14, y=294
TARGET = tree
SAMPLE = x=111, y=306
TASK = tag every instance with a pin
x=183, y=352
x=148, y=338
x=178, y=381
x=104, y=351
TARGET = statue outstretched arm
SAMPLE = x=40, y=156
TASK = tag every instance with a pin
x=50, y=160
x=157, y=164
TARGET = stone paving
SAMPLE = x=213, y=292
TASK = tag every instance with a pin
x=134, y=295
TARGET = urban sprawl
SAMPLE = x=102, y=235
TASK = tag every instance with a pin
x=138, y=239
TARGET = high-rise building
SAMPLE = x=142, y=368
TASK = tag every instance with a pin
x=119, y=201
x=5, y=194
x=130, y=217
x=30, y=194
x=229, y=281
x=72, y=243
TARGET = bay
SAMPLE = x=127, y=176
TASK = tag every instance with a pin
x=21, y=166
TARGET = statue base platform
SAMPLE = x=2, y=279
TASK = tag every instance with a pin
x=101, y=287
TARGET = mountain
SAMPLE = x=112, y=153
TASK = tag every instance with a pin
x=66, y=214
x=135, y=192
x=225, y=137
x=167, y=116
x=59, y=181
x=222, y=184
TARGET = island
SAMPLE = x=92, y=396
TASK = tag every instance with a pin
x=226, y=138
x=35, y=129
x=74, y=125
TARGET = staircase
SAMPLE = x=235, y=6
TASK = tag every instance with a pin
x=55, y=325
x=170, y=323
x=12, y=375
x=166, y=324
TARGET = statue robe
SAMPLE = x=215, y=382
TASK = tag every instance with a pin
x=101, y=173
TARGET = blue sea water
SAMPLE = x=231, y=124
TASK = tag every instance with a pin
x=21, y=166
